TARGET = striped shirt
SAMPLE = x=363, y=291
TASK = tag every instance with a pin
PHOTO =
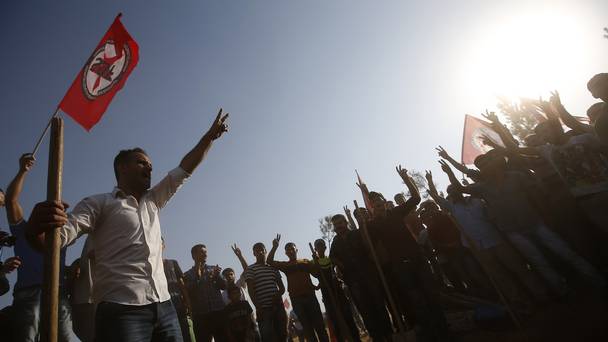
x=265, y=280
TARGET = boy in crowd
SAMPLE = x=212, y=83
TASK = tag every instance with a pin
x=266, y=289
x=239, y=317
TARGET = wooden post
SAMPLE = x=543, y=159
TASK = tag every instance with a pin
x=50, y=299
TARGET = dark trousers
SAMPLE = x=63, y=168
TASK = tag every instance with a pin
x=309, y=313
x=210, y=325
x=155, y=322
x=272, y=322
x=341, y=311
x=419, y=296
x=369, y=300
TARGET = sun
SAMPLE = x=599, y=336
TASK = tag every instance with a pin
x=528, y=54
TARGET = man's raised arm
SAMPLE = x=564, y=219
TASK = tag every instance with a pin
x=14, y=212
x=193, y=158
x=453, y=180
x=460, y=167
x=414, y=199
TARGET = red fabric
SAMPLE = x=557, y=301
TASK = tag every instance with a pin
x=472, y=145
x=104, y=74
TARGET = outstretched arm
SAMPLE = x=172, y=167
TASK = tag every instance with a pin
x=414, y=199
x=432, y=189
x=453, y=180
x=273, y=250
x=349, y=217
x=458, y=166
x=14, y=211
x=567, y=118
x=239, y=255
x=193, y=158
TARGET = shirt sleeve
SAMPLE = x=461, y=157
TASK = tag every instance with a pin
x=162, y=192
x=81, y=220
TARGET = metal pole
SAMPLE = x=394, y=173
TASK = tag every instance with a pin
x=50, y=298
x=44, y=132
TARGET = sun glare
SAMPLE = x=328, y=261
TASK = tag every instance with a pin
x=524, y=55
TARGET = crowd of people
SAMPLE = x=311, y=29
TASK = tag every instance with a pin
x=522, y=229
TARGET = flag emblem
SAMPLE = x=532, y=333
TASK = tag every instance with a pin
x=104, y=69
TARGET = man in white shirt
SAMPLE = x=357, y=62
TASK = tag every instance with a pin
x=130, y=288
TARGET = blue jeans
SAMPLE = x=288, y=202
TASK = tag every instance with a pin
x=309, y=313
x=26, y=303
x=525, y=243
x=133, y=323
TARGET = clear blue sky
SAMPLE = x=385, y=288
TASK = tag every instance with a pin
x=315, y=89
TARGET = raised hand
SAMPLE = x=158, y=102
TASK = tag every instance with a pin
x=445, y=167
x=486, y=140
x=442, y=152
x=356, y=204
x=429, y=176
x=219, y=126
x=556, y=101
x=402, y=172
x=346, y=210
x=236, y=250
x=215, y=271
x=275, y=241
x=26, y=162
x=491, y=116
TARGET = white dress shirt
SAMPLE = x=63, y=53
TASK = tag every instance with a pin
x=126, y=234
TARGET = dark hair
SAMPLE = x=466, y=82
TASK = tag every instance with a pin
x=598, y=81
x=123, y=157
x=1, y=190
x=320, y=241
x=258, y=245
x=338, y=216
x=373, y=194
x=488, y=155
x=596, y=110
x=226, y=271
x=290, y=244
x=195, y=247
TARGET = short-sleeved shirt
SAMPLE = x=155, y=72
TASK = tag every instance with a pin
x=205, y=292
x=391, y=232
x=32, y=262
x=508, y=204
x=298, y=274
x=265, y=280
x=471, y=215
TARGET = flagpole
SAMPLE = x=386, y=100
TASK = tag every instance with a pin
x=48, y=125
x=50, y=295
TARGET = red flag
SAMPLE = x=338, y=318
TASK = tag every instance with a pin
x=102, y=77
x=472, y=144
